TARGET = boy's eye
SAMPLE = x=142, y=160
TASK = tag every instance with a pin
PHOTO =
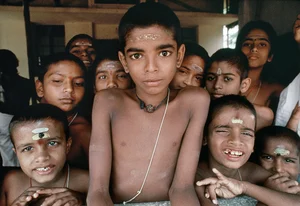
x=136, y=56
x=227, y=79
x=79, y=84
x=247, y=44
x=122, y=76
x=222, y=132
x=289, y=160
x=91, y=51
x=26, y=149
x=210, y=78
x=266, y=157
x=102, y=77
x=248, y=134
x=262, y=44
x=183, y=71
x=57, y=81
x=199, y=77
x=75, y=52
x=165, y=53
x=52, y=143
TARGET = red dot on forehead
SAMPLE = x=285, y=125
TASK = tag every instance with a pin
x=40, y=141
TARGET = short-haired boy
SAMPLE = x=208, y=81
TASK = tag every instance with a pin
x=146, y=141
x=228, y=74
x=61, y=82
x=191, y=71
x=40, y=136
x=277, y=149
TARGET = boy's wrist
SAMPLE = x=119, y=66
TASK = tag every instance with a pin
x=244, y=187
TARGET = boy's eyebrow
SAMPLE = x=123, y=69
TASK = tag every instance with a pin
x=165, y=46
x=221, y=126
x=134, y=50
x=252, y=39
x=214, y=73
x=64, y=75
x=293, y=158
x=185, y=67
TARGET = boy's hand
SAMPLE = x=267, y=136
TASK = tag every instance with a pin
x=294, y=119
x=27, y=197
x=282, y=183
x=221, y=186
x=61, y=196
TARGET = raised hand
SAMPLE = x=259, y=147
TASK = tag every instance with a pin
x=221, y=186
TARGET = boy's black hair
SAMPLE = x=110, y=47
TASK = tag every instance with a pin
x=9, y=62
x=233, y=57
x=233, y=101
x=274, y=132
x=259, y=24
x=147, y=14
x=193, y=48
x=55, y=58
x=40, y=112
x=78, y=36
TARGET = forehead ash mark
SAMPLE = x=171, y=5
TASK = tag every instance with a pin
x=237, y=121
x=40, y=133
x=148, y=36
x=83, y=43
x=196, y=67
x=219, y=71
x=110, y=65
x=281, y=151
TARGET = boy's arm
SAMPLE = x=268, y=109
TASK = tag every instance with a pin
x=100, y=152
x=228, y=188
x=265, y=116
x=294, y=119
x=182, y=191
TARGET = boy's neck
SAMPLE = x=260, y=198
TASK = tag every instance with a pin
x=228, y=172
x=154, y=99
x=254, y=75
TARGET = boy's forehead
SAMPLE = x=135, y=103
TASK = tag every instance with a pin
x=223, y=67
x=151, y=33
x=257, y=34
x=64, y=66
x=81, y=42
x=235, y=115
x=109, y=65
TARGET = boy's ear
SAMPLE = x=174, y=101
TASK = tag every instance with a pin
x=69, y=143
x=180, y=55
x=245, y=84
x=14, y=150
x=123, y=61
x=270, y=58
x=39, y=88
x=204, y=142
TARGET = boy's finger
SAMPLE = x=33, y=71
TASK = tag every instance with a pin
x=52, y=190
x=207, y=181
x=293, y=189
x=219, y=174
x=210, y=190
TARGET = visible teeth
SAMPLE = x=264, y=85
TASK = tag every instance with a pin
x=236, y=153
x=43, y=169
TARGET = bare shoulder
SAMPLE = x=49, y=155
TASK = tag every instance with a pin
x=254, y=173
x=274, y=88
x=193, y=95
x=79, y=180
x=264, y=111
x=15, y=179
x=110, y=98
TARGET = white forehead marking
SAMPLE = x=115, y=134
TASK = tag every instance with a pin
x=197, y=67
x=40, y=133
x=280, y=150
x=82, y=43
x=110, y=65
x=219, y=71
x=252, y=116
x=236, y=121
x=152, y=37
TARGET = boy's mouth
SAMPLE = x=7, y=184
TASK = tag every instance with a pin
x=43, y=169
x=233, y=153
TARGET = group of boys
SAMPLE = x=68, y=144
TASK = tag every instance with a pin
x=144, y=143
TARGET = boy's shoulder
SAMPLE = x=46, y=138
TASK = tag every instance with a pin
x=254, y=173
x=16, y=178
x=192, y=93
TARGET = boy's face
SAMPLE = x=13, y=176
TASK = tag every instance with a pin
x=151, y=58
x=190, y=73
x=296, y=29
x=84, y=50
x=63, y=85
x=111, y=74
x=224, y=79
x=257, y=47
x=281, y=156
x=231, y=137
x=41, y=158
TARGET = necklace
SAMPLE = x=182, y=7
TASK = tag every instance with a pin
x=257, y=92
x=240, y=176
x=67, y=178
x=150, y=108
x=73, y=119
x=153, y=152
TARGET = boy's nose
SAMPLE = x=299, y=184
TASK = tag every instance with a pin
x=218, y=84
x=68, y=87
x=235, y=139
x=254, y=48
x=111, y=83
x=188, y=80
x=151, y=65
x=278, y=165
x=42, y=156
